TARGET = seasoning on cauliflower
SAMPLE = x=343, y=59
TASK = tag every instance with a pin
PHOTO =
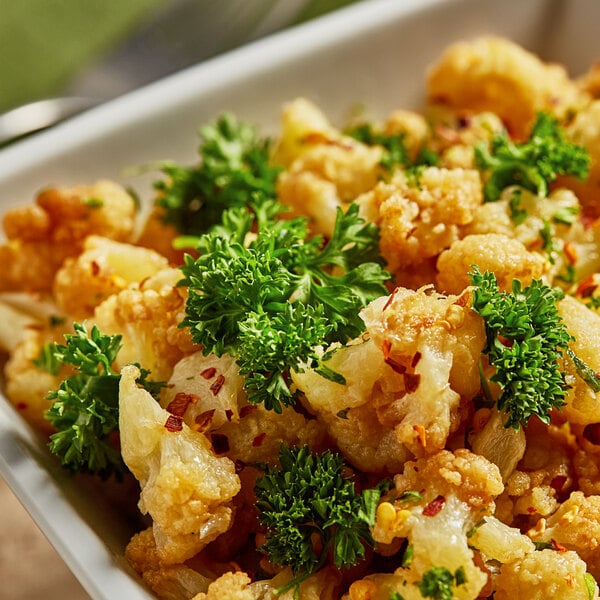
x=327, y=169
x=147, y=315
x=185, y=487
x=434, y=504
x=419, y=219
x=504, y=256
x=105, y=267
x=40, y=236
x=495, y=74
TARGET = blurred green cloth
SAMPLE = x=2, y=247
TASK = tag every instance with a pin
x=45, y=44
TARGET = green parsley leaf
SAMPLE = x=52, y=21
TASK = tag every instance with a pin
x=307, y=498
x=533, y=164
x=395, y=151
x=590, y=585
x=525, y=338
x=438, y=583
x=85, y=408
x=234, y=164
x=272, y=302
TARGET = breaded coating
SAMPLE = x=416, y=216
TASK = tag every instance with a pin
x=576, y=526
x=230, y=586
x=168, y=582
x=258, y=435
x=26, y=386
x=42, y=235
x=495, y=74
x=147, y=315
x=185, y=487
x=582, y=403
x=326, y=169
x=105, y=267
x=506, y=257
x=434, y=504
x=435, y=343
x=419, y=219
x=542, y=575
x=585, y=131
x=206, y=390
x=158, y=235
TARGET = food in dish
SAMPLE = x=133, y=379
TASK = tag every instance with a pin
x=387, y=390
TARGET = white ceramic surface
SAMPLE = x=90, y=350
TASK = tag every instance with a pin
x=373, y=54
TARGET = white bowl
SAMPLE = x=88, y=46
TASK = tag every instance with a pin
x=374, y=53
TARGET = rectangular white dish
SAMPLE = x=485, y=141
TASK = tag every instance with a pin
x=373, y=54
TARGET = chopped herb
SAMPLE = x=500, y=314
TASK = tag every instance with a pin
x=312, y=512
x=525, y=338
x=85, y=408
x=534, y=164
x=234, y=166
x=438, y=583
x=272, y=302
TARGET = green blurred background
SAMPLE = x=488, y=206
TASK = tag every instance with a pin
x=102, y=48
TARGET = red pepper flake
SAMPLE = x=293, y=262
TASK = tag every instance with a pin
x=259, y=439
x=215, y=388
x=220, y=443
x=505, y=341
x=570, y=252
x=434, y=507
x=246, y=410
x=558, y=547
x=558, y=482
x=416, y=359
x=389, y=300
x=421, y=434
x=209, y=373
x=95, y=268
x=531, y=510
x=22, y=405
x=591, y=433
x=411, y=382
x=180, y=403
x=203, y=420
x=228, y=414
x=174, y=423
x=587, y=286
x=386, y=346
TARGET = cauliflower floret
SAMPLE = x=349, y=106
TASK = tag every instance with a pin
x=26, y=385
x=327, y=170
x=257, y=436
x=434, y=504
x=576, y=526
x=506, y=257
x=322, y=585
x=147, y=315
x=105, y=267
x=205, y=390
x=583, y=324
x=495, y=74
x=42, y=235
x=585, y=131
x=435, y=342
x=548, y=227
x=185, y=488
x=542, y=575
x=167, y=581
x=418, y=221
x=158, y=235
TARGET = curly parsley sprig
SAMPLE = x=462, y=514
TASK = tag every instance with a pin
x=525, y=339
x=85, y=407
x=312, y=512
x=533, y=164
x=265, y=292
x=234, y=164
